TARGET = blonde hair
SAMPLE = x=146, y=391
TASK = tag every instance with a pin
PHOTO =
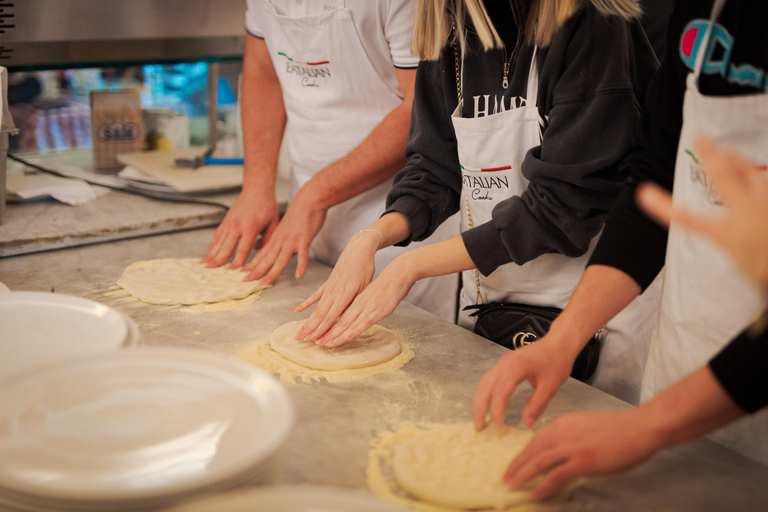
x=435, y=20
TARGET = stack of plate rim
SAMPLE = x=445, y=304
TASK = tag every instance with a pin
x=137, y=429
x=44, y=328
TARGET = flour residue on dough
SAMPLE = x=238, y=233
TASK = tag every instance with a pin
x=227, y=305
x=373, y=347
x=185, y=281
x=262, y=355
x=382, y=480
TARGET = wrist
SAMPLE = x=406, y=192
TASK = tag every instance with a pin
x=407, y=266
x=317, y=195
x=367, y=240
x=569, y=336
x=659, y=423
x=259, y=193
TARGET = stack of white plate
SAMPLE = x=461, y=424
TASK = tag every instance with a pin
x=42, y=328
x=137, y=430
x=291, y=498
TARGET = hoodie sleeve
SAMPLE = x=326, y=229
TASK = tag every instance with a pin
x=740, y=367
x=427, y=190
x=598, y=65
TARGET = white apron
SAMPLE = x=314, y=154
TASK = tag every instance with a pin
x=706, y=300
x=491, y=152
x=334, y=98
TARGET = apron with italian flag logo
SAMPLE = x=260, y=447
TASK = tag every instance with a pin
x=334, y=97
x=706, y=300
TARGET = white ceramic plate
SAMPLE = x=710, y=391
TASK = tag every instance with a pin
x=291, y=498
x=137, y=425
x=38, y=328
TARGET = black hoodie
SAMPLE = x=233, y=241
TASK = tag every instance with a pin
x=592, y=82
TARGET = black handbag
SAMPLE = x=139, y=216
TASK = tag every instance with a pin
x=516, y=325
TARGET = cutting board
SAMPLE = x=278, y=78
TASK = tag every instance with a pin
x=160, y=164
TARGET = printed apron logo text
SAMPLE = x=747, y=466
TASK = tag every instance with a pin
x=311, y=74
x=482, y=186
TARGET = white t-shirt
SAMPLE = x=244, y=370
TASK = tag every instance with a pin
x=385, y=26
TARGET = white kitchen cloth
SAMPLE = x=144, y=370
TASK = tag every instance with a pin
x=69, y=191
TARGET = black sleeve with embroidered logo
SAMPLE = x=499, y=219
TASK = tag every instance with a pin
x=592, y=80
x=740, y=368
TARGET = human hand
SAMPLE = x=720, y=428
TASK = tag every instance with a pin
x=377, y=301
x=294, y=234
x=250, y=216
x=743, y=188
x=352, y=273
x=582, y=444
x=546, y=364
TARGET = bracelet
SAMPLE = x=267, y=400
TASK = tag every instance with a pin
x=374, y=231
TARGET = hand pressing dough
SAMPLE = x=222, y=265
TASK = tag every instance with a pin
x=186, y=281
x=375, y=346
x=454, y=466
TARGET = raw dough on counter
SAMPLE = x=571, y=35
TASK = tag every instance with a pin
x=454, y=466
x=184, y=281
x=375, y=346
x=261, y=354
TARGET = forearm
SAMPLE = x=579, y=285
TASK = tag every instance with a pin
x=263, y=119
x=438, y=259
x=600, y=295
x=694, y=406
x=376, y=160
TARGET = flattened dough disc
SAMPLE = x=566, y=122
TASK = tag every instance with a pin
x=455, y=466
x=375, y=346
x=173, y=281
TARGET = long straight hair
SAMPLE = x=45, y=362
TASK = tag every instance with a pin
x=435, y=20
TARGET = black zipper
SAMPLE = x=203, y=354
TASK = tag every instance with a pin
x=508, y=62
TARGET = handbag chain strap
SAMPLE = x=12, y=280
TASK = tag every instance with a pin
x=458, y=68
x=479, y=296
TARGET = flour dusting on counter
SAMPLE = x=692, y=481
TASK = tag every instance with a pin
x=262, y=355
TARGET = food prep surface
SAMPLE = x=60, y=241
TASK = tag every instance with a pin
x=336, y=422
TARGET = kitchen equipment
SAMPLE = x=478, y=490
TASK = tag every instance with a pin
x=162, y=165
x=117, y=125
x=206, y=159
x=165, y=129
x=137, y=430
x=43, y=328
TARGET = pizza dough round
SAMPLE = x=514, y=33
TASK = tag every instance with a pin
x=454, y=466
x=375, y=346
x=174, y=281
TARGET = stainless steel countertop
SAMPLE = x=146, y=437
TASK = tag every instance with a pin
x=336, y=422
x=47, y=224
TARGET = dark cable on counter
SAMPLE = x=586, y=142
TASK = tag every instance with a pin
x=142, y=193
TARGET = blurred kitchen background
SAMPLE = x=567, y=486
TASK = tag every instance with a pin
x=184, y=56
